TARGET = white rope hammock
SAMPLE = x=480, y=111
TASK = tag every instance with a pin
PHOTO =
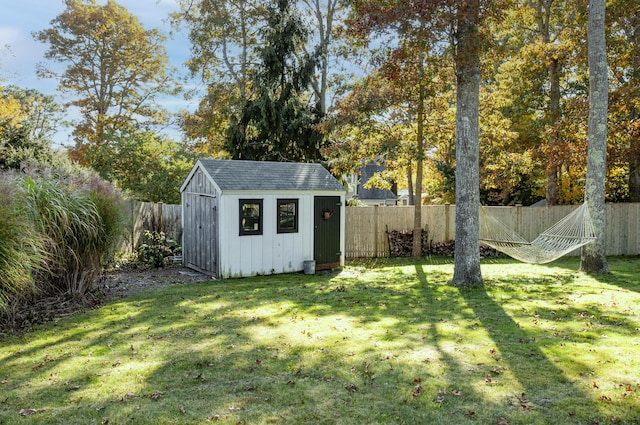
x=570, y=233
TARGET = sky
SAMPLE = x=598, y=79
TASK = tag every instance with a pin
x=20, y=53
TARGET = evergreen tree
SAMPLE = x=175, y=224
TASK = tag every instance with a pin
x=277, y=122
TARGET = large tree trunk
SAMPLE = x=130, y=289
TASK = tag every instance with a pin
x=593, y=255
x=467, y=252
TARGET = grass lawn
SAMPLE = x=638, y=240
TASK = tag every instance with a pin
x=380, y=342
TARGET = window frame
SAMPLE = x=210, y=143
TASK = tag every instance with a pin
x=296, y=214
x=242, y=216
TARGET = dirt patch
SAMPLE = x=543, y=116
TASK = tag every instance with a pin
x=112, y=285
x=121, y=283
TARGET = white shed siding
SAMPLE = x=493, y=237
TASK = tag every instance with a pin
x=270, y=252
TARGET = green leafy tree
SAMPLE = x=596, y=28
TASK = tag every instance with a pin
x=28, y=119
x=623, y=49
x=148, y=167
x=115, y=68
x=227, y=38
x=278, y=122
x=410, y=63
x=224, y=37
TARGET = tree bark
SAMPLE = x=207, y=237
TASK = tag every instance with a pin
x=410, y=183
x=467, y=251
x=634, y=116
x=554, y=114
x=417, y=209
x=593, y=259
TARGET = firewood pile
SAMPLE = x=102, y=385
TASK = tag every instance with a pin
x=447, y=249
x=401, y=244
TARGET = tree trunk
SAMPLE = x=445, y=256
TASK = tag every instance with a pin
x=554, y=114
x=417, y=209
x=634, y=171
x=634, y=116
x=593, y=259
x=467, y=251
x=410, y=183
x=634, y=158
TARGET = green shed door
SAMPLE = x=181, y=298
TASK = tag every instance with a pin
x=326, y=247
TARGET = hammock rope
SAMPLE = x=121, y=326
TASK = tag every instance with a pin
x=572, y=232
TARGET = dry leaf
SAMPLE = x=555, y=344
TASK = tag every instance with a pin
x=417, y=390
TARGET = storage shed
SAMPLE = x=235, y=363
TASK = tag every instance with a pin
x=244, y=218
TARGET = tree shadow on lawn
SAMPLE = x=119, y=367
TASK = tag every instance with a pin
x=255, y=351
x=624, y=273
x=546, y=387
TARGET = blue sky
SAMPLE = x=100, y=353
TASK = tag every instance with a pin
x=20, y=53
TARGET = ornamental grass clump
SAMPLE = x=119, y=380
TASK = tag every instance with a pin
x=20, y=245
x=56, y=232
x=79, y=224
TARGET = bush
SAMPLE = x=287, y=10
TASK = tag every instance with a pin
x=156, y=249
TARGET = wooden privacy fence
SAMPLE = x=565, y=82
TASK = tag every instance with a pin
x=366, y=226
x=155, y=217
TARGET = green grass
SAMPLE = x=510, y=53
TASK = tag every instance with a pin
x=381, y=342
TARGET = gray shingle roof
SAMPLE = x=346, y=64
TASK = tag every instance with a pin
x=265, y=175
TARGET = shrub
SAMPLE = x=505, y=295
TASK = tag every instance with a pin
x=156, y=249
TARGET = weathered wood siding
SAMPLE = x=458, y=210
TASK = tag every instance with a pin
x=200, y=202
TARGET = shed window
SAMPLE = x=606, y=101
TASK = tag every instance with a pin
x=250, y=217
x=287, y=215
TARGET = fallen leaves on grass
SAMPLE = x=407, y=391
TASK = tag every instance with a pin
x=417, y=390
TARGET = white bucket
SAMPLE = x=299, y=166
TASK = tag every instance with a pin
x=309, y=266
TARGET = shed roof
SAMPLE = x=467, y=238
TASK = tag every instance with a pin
x=268, y=175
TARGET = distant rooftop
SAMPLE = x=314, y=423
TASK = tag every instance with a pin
x=268, y=175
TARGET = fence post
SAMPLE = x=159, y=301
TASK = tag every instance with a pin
x=446, y=221
x=376, y=218
x=160, y=218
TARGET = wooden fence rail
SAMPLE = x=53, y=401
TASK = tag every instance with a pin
x=366, y=226
x=155, y=217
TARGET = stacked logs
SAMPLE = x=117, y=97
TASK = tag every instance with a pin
x=401, y=244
